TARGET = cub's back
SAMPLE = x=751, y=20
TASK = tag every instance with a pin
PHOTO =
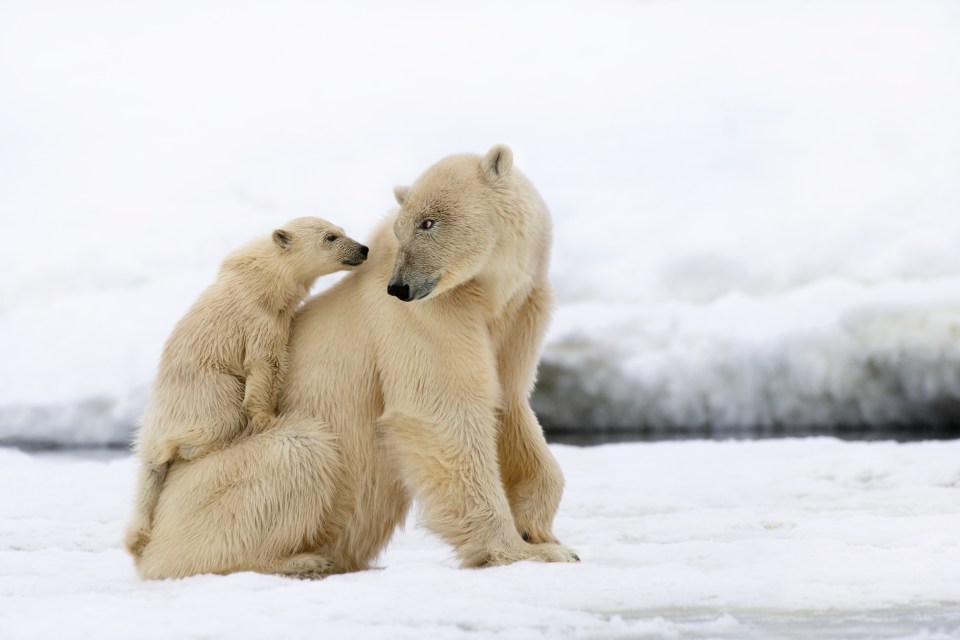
x=211, y=334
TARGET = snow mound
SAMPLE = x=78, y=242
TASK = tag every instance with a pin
x=833, y=353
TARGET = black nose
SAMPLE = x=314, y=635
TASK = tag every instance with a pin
x=401, y=291
x=364, y=250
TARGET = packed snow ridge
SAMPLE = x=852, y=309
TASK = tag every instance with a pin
x=741, y=540
x=833, y=353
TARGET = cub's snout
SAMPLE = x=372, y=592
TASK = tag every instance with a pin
x=356, y=255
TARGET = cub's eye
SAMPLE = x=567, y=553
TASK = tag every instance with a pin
x=427, y=224
x=331, y=237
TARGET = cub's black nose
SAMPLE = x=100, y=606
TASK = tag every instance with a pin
x=364, y=250
x=401, y=291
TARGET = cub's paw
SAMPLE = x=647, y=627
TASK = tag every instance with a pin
x=195, y=451
x=135, y=540
x=261, y=421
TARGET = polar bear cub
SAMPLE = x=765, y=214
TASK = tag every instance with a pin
x=222, y=367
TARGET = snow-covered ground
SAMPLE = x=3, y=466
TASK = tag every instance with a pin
x=810, y=538
x=756, y=203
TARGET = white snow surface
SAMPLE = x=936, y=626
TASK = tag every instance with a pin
x=755, y=203
x=812, y=538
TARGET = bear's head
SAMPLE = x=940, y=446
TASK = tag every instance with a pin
x=448, y=223
x=312, y=247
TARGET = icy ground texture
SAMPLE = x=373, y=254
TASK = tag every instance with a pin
x=756, y=203
x=792, y=538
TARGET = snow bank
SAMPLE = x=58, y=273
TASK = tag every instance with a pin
x=832, y=353
x=755, y=204
x=787, y=538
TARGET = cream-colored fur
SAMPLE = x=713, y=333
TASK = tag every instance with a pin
x=386, y=401
x=222, y=367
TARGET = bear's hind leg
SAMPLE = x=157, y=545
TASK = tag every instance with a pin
x=248, y=507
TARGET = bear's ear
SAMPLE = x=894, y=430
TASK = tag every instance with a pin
x=497, y=162
x=282, y=238
x=401, y=193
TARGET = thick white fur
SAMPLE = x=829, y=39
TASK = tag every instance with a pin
x=222, y=367
x=388, y=400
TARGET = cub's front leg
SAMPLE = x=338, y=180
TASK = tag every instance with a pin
x=259, y=397
x=263, y=365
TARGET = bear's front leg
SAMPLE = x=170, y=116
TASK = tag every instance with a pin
x=531, y=476
x=452, y=470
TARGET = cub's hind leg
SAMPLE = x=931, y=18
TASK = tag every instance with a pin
x=149, y=484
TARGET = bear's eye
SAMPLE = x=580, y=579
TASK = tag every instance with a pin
x=427, y=224
x=331, y=237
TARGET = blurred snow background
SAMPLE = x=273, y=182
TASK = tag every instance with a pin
x=756, y=204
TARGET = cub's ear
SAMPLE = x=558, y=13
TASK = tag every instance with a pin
x=401, y=193
x=497, y=162
x=282, y=238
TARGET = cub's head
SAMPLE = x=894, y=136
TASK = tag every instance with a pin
x=314, y=247
x=447, y=224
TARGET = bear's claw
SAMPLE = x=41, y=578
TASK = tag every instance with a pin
x=546, y=552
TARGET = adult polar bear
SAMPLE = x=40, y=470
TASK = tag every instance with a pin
x=422, y=393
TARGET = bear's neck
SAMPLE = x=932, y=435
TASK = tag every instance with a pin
x=501, y=283
x=518, y=260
